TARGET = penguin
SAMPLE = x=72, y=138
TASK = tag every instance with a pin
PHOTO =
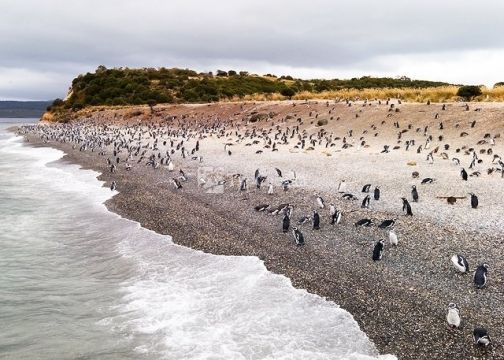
x=332, y=210
x=364, y=222
x=387, y=224
x=481, y=337
x=342, y=186
x=279, y=172
x=393, y=237
x=320, y=202
x=378, y=250
x=270, y=189
x=366, y=188
x=365, y=202
x=349, y=196
x=316, y=220
x=113, y=186
x=460, y=263
x=474, y=201
x=427, y=181
x=480, y=276
x=298, y=236
x=303, y=220
x=171, y=167
x=261, y=207
x=377, y=193
x=243, y=185
x=453, y=316
x=463, y=174
x=414, y=193
x=407, y=207
x=176, y=183
x=285, y=223
x=336, y=218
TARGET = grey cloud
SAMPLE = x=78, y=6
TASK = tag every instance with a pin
x=68, y=37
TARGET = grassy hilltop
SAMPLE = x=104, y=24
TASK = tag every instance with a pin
x=124, y=86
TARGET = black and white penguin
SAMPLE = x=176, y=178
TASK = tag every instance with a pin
x=365, y=202
x=320, y=202
x=285, y=223
x=261, y=207
x=378, y=250
x=113, y=186
x=316, y=220
x=460, y=263
x=453, y=316
x=376, y=193
x=414, y=193
x=366, y=188
x=474, y=201
x=298, y=236
x=364, y=222
x=480, y=276
x=243, y=185
x=349, y=196
x=387, y=224
x=463, y=174
x=481, y=337
x=270, y=189
x=336, y=218
x=427, y=181
x=176, y=183
x=406, y=207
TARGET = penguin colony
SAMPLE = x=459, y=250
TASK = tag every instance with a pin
x=167, y=146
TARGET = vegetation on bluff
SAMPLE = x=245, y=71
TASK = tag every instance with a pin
x=124, y=86
x=149, y=86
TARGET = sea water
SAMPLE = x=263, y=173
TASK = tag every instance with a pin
x=79, y=282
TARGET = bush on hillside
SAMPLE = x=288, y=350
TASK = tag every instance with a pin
x=468, y=92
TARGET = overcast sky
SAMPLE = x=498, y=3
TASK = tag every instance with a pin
x=44, y=44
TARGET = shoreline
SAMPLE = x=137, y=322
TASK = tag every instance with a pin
x=400, y=302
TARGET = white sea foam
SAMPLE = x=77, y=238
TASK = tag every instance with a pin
x=180, y=303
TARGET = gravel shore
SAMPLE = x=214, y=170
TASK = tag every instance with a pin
x=401, y=301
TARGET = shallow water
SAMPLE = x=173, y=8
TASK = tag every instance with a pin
x=78, y=281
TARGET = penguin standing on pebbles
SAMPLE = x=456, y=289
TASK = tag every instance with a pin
x=377, y=193
x=481, y=337
x=460, y=263
x=298, y=236
x=480, y=276
x=414, y=193
x=463, y=174
x=365, y=202
x=113, y=186
x=320, y=202
x=474, y=201
x=336, y=218
x=285, y=223
x=378, y=250
x=406, y=207
x=393, y=238
x=316, y=220
x=453, y=316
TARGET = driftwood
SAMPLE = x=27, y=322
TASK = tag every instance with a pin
x=451, y=199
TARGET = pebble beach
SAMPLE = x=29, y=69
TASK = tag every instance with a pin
x=401, y=301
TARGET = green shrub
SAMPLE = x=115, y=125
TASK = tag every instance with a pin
x=468, y=92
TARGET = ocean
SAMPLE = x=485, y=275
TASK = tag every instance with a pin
x=80, y=282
